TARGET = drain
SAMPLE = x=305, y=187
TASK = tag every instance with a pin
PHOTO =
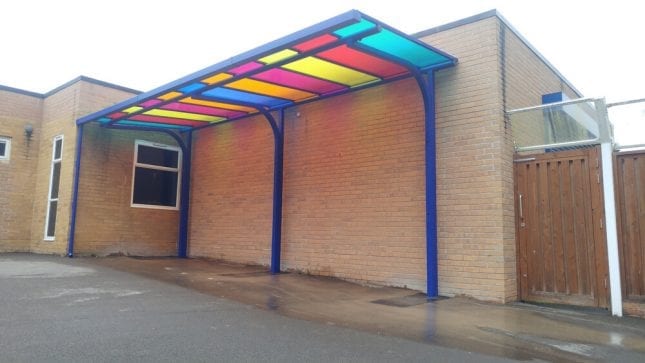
x=245, y=274
x=404, y=301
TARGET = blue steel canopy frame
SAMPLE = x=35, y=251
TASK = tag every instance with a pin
x=424, y=77
x=427, y=87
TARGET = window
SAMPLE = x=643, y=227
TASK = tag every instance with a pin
x=156, y=173
x=54, y=184
x=5, y=147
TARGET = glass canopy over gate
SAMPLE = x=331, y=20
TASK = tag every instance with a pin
x=348, y=52
x=554, y=126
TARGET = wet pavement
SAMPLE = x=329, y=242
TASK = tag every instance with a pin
x=117, y=300
x=517, y=331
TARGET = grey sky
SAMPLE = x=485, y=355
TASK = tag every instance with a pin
x=597, y=45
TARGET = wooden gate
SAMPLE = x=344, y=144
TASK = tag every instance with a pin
x=561, y=255
x=630, y=208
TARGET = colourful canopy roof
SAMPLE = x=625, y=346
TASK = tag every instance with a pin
x=348, y=52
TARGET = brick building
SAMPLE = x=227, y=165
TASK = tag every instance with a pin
x=354, y=177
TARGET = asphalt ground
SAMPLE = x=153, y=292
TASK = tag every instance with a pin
x=71, y=310
x=121, y=309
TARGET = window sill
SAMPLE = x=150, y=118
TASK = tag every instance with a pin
x=152, y=206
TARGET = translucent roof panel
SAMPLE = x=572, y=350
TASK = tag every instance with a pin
x=398, y=47
x=350, y=51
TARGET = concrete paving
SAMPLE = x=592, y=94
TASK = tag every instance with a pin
x=162, y=309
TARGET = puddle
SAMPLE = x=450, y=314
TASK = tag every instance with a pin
x=90, y=291
x=497, y=330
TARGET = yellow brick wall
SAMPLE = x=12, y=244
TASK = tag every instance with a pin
x=470, y=151
x=106, y=223
x=59, y=115
x=354, y=201
x=353, y=188
x=527, y=77
x=231, y=192
x=16, y=174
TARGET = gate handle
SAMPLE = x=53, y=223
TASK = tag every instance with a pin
x=521, y=209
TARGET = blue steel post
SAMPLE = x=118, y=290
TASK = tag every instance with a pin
x=276, y=232
x=74, y=206
x=432, y=278
x=184, y=204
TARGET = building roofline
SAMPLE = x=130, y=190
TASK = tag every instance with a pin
x=93, y=81
x=457, y=23
x=68, y=84
x=490, y=14
x=21, y=91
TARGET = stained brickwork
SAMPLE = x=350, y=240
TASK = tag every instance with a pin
x=230, y=215
x=106, y=222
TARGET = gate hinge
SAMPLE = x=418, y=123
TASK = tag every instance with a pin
x=600, y=222
x=598, y=177
x=597, y=163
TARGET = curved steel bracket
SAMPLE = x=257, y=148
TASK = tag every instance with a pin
x=425, y=81
x=277, y=126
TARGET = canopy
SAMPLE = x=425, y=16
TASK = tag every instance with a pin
x=348, y=52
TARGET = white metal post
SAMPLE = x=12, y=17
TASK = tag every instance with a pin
x=606, y=148
x=610, y=229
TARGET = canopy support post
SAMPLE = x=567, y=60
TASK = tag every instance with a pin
x=184, y=203
x=426, y=84
x=278, y=163
x=75, y=182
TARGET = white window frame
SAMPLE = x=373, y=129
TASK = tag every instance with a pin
x=136, y=165
x=54, y=161
x=7, y=149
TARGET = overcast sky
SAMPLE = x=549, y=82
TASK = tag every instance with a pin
x=141, y=44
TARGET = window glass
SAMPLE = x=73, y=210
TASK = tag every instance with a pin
x=158, y=156
x=58, y=149
x=55, y=180
x=155, y=187
x=5, y=147
x=156, y=175
x=54, y=186
x=51, y=221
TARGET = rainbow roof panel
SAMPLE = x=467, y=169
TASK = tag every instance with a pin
x=348, y=52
